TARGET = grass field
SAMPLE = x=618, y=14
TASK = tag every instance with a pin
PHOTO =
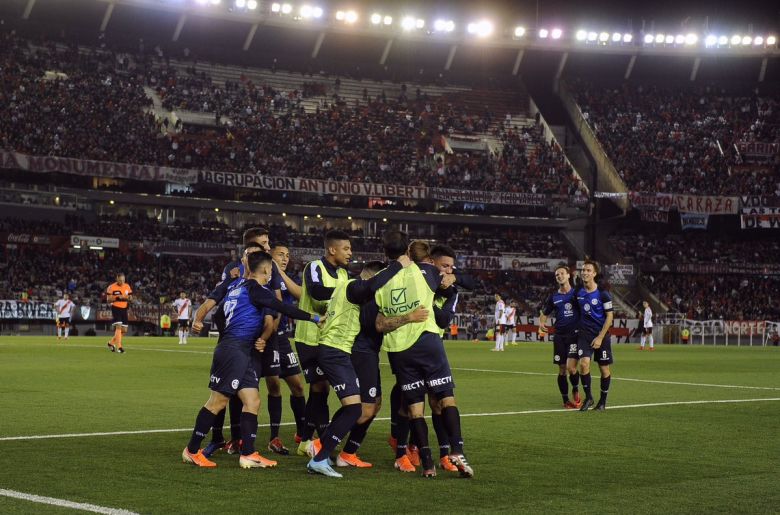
x=687, y=430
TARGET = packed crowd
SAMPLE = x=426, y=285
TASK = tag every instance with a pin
x=727, y=297
x=90, y=103
x=681, y=138
x=703, y=247
x=45, y=276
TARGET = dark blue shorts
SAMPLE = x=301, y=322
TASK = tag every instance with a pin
x=232, y=369
x=366, y=366
x=564, y=347
x=307, y=354
x=338, y=368
x=270, y=358
x=602, y=355
x=422, y=368
x=287, y=358
x=184, y=323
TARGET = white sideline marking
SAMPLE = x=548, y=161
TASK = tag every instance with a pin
x=62, y=503
x=498, y=414
x=516, y=372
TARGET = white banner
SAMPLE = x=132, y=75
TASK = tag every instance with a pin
x=94, y=241
x=33, y=310
x=50, y=164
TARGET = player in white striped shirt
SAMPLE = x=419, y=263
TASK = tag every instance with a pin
x=183, y=308
x=647, y=327
x=64, y=309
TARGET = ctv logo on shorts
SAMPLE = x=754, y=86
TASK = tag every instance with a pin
x=412, y=386
x=215, y=379
x=440, y=381
x=339, y=387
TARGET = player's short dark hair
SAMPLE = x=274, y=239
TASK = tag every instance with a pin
x=592, y=263
x=253, y=245
x=373, y=266
x=442, y=251
x=280, y=244
x=395, y=243
x=253, y=233
x=256, y=259
x=565, y=267
x=335, y=235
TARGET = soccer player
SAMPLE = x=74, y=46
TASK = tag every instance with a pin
x=647, y=327
x=333, y=356
x=233, y=370
x=593, y=337
x=417, y=354
x=320, y=279
x=563, y=303
x=64, y=308
x=365, y=360
x=511, y=313
x=118, y=294
x=500, y=315
x=183, y=308
x=289, y=369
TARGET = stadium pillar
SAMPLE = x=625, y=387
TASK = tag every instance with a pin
x=695, y=69
x=630, y=67
x=179, y=27
x=250, y=36
x=28, y=9
x=762, y=72
x=106, y=17
x=450, y=57
x=518, y=60
x=386, y=52
x=317, y=45
x=561, y=66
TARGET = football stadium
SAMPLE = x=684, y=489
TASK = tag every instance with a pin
x=399, y=257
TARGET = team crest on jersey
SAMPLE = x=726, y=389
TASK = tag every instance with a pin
x=567, y=306
x=586, y=307
x=594, y=301
x=85, y=312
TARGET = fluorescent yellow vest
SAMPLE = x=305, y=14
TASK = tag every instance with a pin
x=404, y=293
x=310, y=333
x=343, y=323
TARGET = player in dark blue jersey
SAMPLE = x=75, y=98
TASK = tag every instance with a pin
x=593, y=340
x=563, y=303
x=233, y=370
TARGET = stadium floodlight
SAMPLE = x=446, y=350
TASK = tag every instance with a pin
x=387, y=20
x=543, y=33
x=710, y=40
x=275, y=8
x=215, y=2
x=592, y=36
x=444, y=25
x=351, y=17
x=669, y=39
x=747, y=40
x=202, y=2
x=758, y=40
x=556, y=33
x=691, y=39
x=679, y=39
x=407, y=23
x=771, y=40
x=659, y=38
x=251, y=5
x=286, y=8
x=317, y=12
x=240, y=4
x=419, y=23
x=736, y=39
x=376, y=19
x=581, y=35
x=340, y=15
x=628, y=38
x=649, y=39
x=481, y=29
x=306, y=11
x=519, y=32
x=723, y=40
x=604, y=37
x=616, y=37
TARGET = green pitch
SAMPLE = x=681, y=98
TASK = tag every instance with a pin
x=664, y=445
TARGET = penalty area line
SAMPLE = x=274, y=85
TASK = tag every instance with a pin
x=496, y=414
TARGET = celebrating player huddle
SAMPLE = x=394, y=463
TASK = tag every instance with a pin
x=402, y=307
